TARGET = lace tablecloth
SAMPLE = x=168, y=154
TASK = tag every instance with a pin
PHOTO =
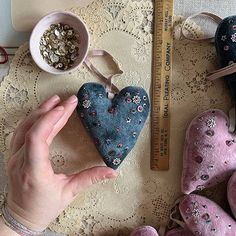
x=138, y=196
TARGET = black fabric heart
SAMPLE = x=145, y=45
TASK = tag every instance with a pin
x=225, y=40
x=114, y=124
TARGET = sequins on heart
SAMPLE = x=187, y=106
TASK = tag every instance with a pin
x=206, y=217
x=93, y=114
x=193, y=210
x=116, y=123
x=211, y=123
x=226, y=48
x=136, y=99
x=108, y=141
x=223, y=38
x=128, y=100
x=210, y=132
x=134, y=134
x=233, y=37
x=86, y=104
x=116, y=161
x=200, y=187
x=198, y=159
x=112, y=110
x=229, y=142
x=204, y=177
x=140, y=108
x=128, y=120
x=210, y=167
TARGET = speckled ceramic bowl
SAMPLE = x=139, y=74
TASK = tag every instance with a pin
x=44, y=24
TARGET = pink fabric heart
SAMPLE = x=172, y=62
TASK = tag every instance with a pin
x=231, y=192
x=179, y=232
x=144, y=231
x=209, y=152
x=204, y=217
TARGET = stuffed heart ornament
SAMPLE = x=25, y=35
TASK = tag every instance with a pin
x=204, y=217
x=114, y=124
x=209, y=152
x=179, y=232
x=145, y=231
x=231, y=193
x=225, y=40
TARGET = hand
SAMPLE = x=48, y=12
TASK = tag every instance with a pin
x=36, y=195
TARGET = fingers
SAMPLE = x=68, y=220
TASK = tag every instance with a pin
x=45, y=129
x=50, y=103
x=69, y=105
x=19, y=136
x=79, y=182
x=36, y=147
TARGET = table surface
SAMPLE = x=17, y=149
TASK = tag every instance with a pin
x=9, y=37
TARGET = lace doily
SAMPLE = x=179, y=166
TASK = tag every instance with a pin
x=138, y=196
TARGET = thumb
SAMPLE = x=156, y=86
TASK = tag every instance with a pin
x=79, y=182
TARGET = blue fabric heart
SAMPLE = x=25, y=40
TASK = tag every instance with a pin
x=225, y=40
x=114, y=124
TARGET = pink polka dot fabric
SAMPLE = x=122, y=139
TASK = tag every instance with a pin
x=209, y=152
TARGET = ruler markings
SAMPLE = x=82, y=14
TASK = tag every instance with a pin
x=161, y=84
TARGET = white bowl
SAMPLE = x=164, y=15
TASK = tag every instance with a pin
x=44, y=24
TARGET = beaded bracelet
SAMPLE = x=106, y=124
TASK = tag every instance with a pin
x=13, y=223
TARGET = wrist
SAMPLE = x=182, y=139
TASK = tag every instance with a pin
x=22, y=220
x=15, y=225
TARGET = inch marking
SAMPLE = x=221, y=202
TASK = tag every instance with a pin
x=161, y=84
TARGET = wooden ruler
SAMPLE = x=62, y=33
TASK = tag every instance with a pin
x=161, y=84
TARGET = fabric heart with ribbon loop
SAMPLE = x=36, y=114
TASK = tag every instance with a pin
x=114, y=120
x=225, y=41
x=209, y=152
x=204, y=217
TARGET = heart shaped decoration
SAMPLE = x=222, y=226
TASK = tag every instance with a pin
x=225, y=40
x=179, y=232
x=209, y=152
x=231, y=193
x=145, y=231
x=204, y=217
x=114, y=124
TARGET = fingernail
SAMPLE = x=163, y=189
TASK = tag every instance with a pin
x=111, y=175
x=72, y=99
x=55, y=98
x=59, y=108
